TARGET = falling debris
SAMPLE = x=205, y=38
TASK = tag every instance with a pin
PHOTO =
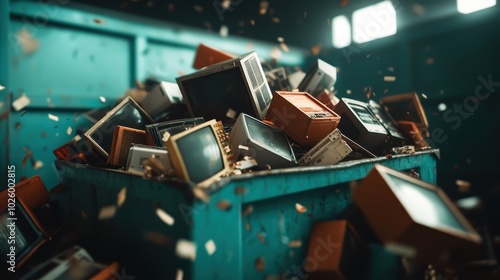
x=2, y=87
x=463, y=186
x=38, y=165
x=1, y=106
x=198, y=8
x=275, y=53
x=27, y=42
x=226, y=4
x=264, y=5
x=53, y=117
x=247, y=226
x=260, y=265
x=107, y=212
x=69, y=130
x=316, y=49
x=284, y=47
x=429, y=60
x=158, y=238
x=424, y=95
x=240, y=190
x=300, y=208
x=103, y=99
x=276, y=19
x=368, y=92
x=248, y=210
x=231, y=113
x=99, y=21
x=280, y=39
x=389, y=78
x=295, y=244
x=185, y=249
x=170, y=7
x=224, y=205
x=252, y=22
x=210, y=247
x=390, y=69
x=418, y=9
x=165, y=217
x=348, y=91
x=180, y=272
x=120, y=198
x=21, y=102
x=224, y=31
x=260, y=237
x=442, y=107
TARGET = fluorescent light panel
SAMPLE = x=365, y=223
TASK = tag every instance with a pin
x=341, y=32
x=470, y=6
x=374, y=22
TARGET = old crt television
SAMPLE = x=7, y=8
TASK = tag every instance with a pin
x=406, y=107
x=339, y=252
x=414, y=218
x=360, y=124
x=29, y=234
x=163, y=96
x=127, y=113
x=396, y=138
x=321, y=76
x=222, y=91
x=201, y=154
x=267, y=145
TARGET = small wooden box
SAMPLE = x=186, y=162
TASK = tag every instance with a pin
x=302, y=117
x=123, y=137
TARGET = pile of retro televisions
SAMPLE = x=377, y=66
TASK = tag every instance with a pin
x=244, y=112
x=29, y=220
x=405, y=216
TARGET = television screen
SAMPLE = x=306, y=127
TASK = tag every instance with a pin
x=128, y=113
x=364, y=115
x=424, y=205
x=27, y=234
x=222, y=91
x=201, y=154
x=269, y=138
x=212, y=95
x=406, y=107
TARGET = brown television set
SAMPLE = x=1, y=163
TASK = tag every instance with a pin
x=200, y=155
x=406, y=107
x=123, y=138
x=413, y=218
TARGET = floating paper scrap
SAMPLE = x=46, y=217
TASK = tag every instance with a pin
x=442, y=107
x=275, y=53
x=224, y=31
x=295, y=244
x=224, y=205
x=300, y=208
x=260, y=265
x=1, y=105
x=107, y=212
x=389, y=78
x=226, y=4
x=103, y=99
x=158, y=238
x=122, y=195
x=54, y=118
x=165, y=217
x=185, y=249
x=463, y=186
x=38, y=164
x=264, y=5
x=180, y=272
x=248, y=210
x=284, y=47
x=424, y=95
x=21, y=102
x=69, y=130
x=2, y=87
x=210, y=246
x=231, y=113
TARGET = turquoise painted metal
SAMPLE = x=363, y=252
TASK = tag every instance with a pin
x=251, y=219
x=64, y=57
